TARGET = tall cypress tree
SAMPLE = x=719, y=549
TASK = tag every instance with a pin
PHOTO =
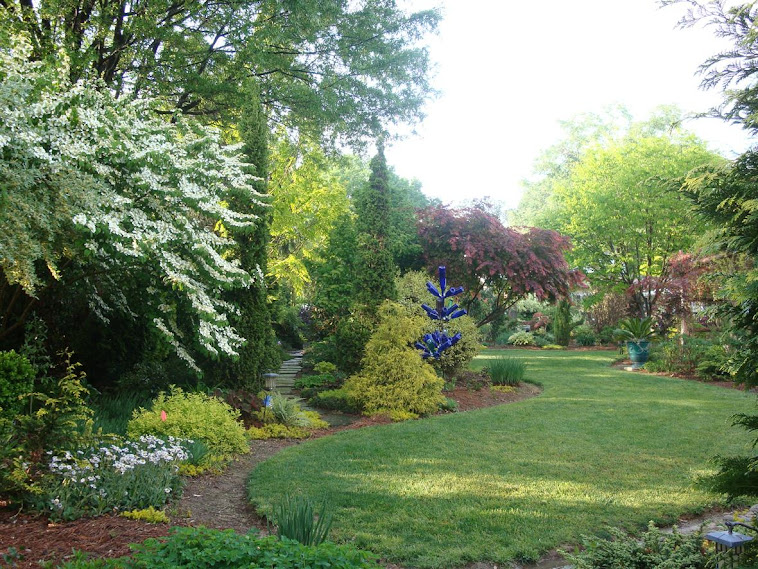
x=375, y=280
x=260, y=353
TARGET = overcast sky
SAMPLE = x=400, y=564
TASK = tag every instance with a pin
x=510, y=70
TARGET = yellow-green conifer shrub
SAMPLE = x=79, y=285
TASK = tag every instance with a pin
x=393, y=376
x=195, y=416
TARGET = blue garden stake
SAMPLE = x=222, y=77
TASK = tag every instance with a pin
x=432, y=345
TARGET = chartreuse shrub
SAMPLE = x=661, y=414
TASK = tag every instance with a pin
x=149, y=515
x=394, y=379
x=195, y=416
x=325, y=368
x=198, y=548
x=16, y=380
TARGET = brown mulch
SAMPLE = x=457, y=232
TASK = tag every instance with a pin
x=211, y=501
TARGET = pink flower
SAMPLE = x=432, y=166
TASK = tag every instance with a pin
x=163, y=416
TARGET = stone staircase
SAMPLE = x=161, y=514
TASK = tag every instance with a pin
x=287, y=372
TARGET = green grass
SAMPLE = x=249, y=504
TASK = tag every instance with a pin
x=599, y=447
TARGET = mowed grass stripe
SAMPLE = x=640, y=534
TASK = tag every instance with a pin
x=598, y=447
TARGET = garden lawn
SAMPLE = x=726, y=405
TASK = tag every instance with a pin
x=598, y=447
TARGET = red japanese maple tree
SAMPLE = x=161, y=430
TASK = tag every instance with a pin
x=483, y=255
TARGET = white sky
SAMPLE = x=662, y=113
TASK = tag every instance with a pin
x=509, y=70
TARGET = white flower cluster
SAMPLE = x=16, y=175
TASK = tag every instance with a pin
x=146, y=196
x=85, y=466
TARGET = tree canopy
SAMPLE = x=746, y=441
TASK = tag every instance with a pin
x=620, y=205
x=332, y=68
x=484, y=256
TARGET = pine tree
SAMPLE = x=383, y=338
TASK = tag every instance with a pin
x=375, y=279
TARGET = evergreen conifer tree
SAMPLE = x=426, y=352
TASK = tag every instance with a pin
x=260, y=353
x=375, y=278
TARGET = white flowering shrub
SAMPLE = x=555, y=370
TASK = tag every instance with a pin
x=134, y=475
x=130, y=201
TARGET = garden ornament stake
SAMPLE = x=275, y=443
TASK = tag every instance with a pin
x=432, y=345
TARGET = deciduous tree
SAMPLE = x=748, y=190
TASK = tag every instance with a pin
x=481, y=254
x=329, y=67
x=622, y=210
x=101, y=198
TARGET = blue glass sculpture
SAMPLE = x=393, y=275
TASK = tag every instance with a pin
x=432, y=345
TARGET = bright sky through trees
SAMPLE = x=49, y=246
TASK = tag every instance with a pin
x=508, y=72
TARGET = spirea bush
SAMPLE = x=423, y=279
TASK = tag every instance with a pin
x=393, y=377
x=193, y=416
x=92, y=481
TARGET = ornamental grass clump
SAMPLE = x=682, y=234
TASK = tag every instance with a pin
x=506, y=371
x=296, y=518
x=93, y=481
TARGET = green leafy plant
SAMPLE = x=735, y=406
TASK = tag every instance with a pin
x=195, y=416
x=584, y=335
x=296, y=518
x=635, y=329
x=521, y=339
x=689, y=355
x=16, y=379
x=315, y=381
x=335, y=400
x=198, y=548
x=652, y=550
x=325, y=368
x=506, y=371
x=149, y=515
